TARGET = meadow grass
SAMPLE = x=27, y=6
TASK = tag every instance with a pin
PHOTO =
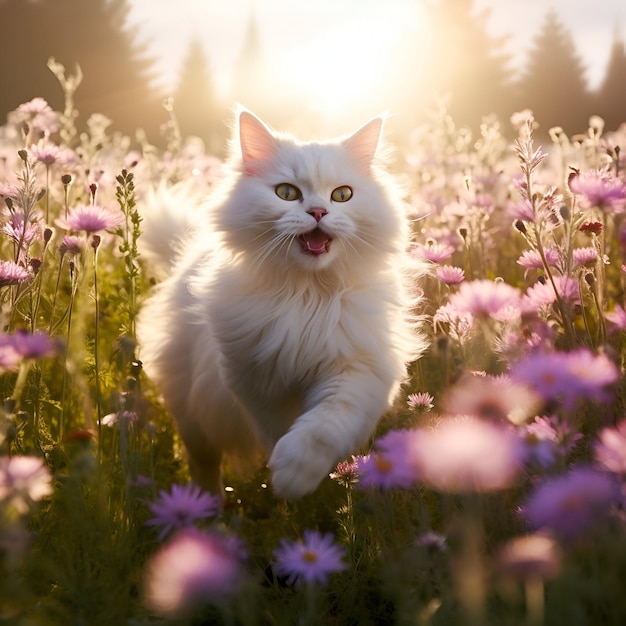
x=492, y=493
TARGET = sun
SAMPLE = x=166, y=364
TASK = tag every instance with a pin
x=349, y=65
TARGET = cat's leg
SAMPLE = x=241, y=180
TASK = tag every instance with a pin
x=340, y=414
x=204, y=458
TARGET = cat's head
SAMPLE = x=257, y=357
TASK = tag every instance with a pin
x=315, y=205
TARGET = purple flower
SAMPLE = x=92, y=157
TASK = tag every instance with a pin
x=310, y=560
x=485, y=297
x=91, y=218
x=390, y=465
x=466, y=454
x=24, y=480
x=567, y=376
x=610, y=449
x=192, y=570
x=599, y=188
x=450, y=275
x=12, y=273
x=29, y=346
x=181, y=507
x=570, y=504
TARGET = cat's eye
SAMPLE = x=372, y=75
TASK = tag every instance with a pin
x=287, y=191
x=341, y=194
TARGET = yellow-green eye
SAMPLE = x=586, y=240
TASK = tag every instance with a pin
x=341, y=194
x=288, y=192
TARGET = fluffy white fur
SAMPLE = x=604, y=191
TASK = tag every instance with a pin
x=252, y=337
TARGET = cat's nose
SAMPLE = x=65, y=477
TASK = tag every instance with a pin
x=317, y=213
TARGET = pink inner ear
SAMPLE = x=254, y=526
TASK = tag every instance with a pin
x=257, y=142
x=364, y=143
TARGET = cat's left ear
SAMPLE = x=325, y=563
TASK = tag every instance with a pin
x=364, y=143
x=256, y=141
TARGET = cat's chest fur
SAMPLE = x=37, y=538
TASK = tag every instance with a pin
x=283, y=338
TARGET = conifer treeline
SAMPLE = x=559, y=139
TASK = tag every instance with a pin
x=465, y=62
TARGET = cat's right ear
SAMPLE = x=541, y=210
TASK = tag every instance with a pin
x=256, y=141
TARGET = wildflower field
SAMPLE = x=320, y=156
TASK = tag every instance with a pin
x=493, y=493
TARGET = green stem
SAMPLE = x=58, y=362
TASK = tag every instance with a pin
x=96, y=351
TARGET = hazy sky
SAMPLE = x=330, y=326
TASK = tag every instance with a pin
x=300, y=36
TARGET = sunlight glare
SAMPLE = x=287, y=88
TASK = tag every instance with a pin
x=349, y=65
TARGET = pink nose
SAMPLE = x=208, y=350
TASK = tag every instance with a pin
x=317, y=213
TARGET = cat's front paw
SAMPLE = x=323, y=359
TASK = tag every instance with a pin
x=299, y=462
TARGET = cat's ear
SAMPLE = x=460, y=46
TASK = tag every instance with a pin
x=256, y=141
x=364, y=143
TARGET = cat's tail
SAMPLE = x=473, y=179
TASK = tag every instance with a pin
x=168, y=216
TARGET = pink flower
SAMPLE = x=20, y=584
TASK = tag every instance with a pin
x=435, y=252
x=311, y=560
x=24, y=480
x=346, y=472
x=12, y=273
x=599, y=188
x=420, y=400
x=46, y=153
x=498, y=399
x=459, y=322
x=20, y=231
x=542, y=294
x=584, y=256
x=38, y=114
x=530, y=557
x=485, y=297
x=71, y=245
x=548, y=440
x=450, y=275
x=531, y=259
x=467, y=454
x=91, y=218
x=617, y=317
x=192, y=570
x=610, y=450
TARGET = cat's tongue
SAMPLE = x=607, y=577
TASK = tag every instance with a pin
x=315, y=241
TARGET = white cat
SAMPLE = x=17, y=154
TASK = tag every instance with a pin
x=289, y=319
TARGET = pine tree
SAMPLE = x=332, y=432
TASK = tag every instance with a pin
x=611, y=95
x=466, y=64
x=94, y=35
x=196, y=104
x=553, y=82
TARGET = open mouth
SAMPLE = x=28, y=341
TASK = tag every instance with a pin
x=315, y=242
